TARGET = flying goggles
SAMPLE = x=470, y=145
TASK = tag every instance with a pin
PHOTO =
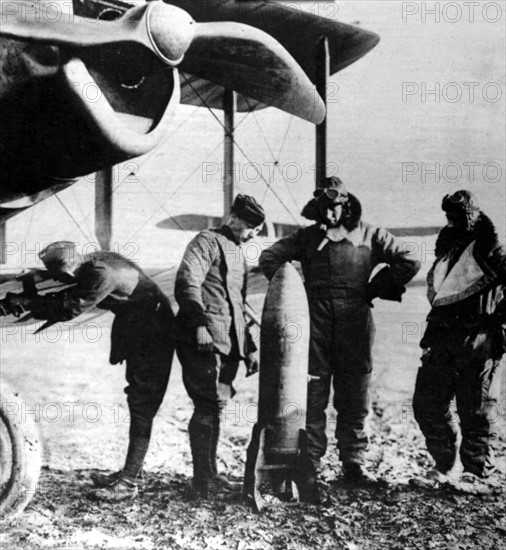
x=333, y=194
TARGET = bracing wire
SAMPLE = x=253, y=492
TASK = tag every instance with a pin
x=175, y=191
x=276, y=158
x=273, y=191
x=72, y=217
x=146, y=157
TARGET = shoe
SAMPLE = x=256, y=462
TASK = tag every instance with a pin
x=473, y=485
x=358, y=474
x=122, y=489
x=433, y=479
x=106, y=480
x=216, y=487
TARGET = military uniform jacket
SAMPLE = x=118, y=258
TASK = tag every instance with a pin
x=211, y=289
x=143, y=323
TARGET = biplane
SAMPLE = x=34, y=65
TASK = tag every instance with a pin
x=87, y=84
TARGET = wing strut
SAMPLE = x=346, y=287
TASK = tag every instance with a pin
x=3, y=237
x=229, y=107
x=322, y=67
x=103, y=207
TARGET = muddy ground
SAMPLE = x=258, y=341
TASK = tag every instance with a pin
x=78, y=400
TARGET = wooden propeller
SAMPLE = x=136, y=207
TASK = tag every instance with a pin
x=164, y=29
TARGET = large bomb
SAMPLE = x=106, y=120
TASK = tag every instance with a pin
x=284, y=349
x=277, y=453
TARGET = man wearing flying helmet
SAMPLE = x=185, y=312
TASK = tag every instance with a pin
x=462, y=347
x=338, y=254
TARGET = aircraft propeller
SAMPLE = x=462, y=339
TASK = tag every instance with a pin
x=164, y=29
x=233, y=55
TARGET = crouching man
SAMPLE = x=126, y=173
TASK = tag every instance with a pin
x=212, y=333
x=462, y=347
x=142, y=334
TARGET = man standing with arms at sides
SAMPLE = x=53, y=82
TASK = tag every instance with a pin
x=462, y=347
x=142, y=334
x=212, y=335
x=338, y=254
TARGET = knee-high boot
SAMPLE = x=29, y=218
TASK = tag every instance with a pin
x=201, y=430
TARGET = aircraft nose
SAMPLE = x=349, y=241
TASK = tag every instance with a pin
x=171, y=31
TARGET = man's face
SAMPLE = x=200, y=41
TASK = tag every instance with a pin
x=242, y=230
x=62, y=272
x=456, y=220
x=331, y=213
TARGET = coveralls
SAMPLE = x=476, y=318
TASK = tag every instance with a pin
x=336, y=274
x=466, y=290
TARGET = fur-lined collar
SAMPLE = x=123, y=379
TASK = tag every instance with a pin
x=452, y=240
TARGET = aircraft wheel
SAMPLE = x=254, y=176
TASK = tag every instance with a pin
x=20, y=455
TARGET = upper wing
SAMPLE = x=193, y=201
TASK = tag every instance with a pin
x=298, y=32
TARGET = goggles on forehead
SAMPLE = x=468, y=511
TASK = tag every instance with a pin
x=332, y=194
x=458, y=199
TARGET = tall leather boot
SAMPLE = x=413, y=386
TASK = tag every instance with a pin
x=214, y=445
x=201, y=441
x=123, y=485
x=222, y=486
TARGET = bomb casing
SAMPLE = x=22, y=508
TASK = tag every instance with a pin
x=277, y=455
x=284, y=350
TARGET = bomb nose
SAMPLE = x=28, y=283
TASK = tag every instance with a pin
x=171, y=31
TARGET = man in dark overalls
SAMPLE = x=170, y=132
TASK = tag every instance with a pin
x=462, y=347
x=142, y=334
x=338, y=254
x=212, y=335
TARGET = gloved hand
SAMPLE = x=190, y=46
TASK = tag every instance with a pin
x=383, y=286
x=491, y=322
x=492, y=327
x=477, y=339
x=204, y=339
x=251, y=363
x=14, y=304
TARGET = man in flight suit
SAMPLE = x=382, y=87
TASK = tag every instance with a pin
x=212, y=333
x=141, y=335
x=462, y=347
x=338, y=254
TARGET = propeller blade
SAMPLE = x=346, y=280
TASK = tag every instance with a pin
x=164, y=29
x=251, y=62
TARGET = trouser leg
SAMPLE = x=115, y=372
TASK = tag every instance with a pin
x=478, y=389
x=353, y=339
x=147, y=379
x=434, y=391
x=320, y=370
x=316, y=420
x=200, y=373
x=226, y=375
